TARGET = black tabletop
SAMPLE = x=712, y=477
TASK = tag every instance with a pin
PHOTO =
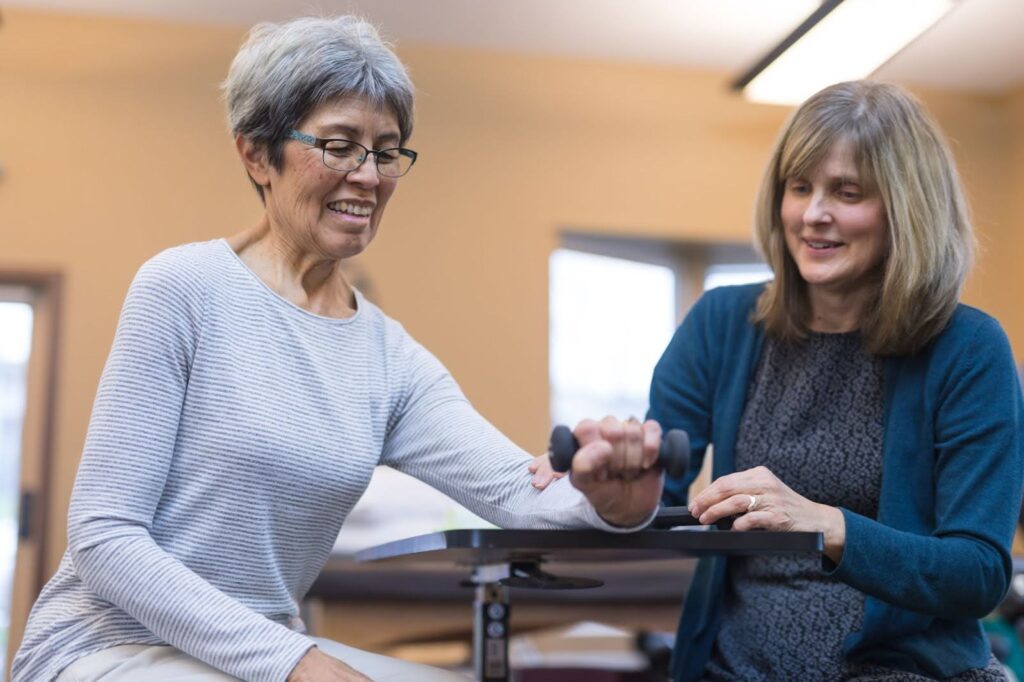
x=477, y=546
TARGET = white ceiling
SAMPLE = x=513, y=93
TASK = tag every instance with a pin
x=977, y=47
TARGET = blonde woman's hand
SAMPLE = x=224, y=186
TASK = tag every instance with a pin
x=764, y=502
x=316, y=666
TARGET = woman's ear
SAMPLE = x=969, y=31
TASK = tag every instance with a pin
x=254, y=158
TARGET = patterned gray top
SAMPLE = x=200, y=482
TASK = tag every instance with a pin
x=232, y=433
x=815, y=416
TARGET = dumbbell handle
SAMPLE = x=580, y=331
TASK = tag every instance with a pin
x=673, y=455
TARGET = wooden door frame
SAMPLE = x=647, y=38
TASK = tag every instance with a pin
x=47, y=287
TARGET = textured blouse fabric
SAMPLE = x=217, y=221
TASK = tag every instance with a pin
x=937, y=555
x=814, y=417
x=232, y=433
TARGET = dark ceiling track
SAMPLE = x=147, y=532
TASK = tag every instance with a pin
x=798, y=33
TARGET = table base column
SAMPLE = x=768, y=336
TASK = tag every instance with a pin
x=490, y=626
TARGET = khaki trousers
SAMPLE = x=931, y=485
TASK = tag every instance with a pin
x=134, y=662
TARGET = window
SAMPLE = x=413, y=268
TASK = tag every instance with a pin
x=615, y=303
x=610, y=320
x=15, y=342
x=724, y=274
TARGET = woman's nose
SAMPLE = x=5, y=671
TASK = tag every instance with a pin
x=817, y=210
x=365, y=173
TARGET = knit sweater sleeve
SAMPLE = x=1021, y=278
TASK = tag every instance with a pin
x=436, y=436
x=963, y=567
x=128, y=452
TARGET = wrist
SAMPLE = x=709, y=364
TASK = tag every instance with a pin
x=298, y=673
x=834, y=533
x=620, y=522
x=625, y=520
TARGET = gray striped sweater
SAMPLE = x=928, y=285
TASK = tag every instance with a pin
x=232, y=433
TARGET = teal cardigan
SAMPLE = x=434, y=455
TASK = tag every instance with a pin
x=937, y=558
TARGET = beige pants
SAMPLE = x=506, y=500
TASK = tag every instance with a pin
x=133, y=662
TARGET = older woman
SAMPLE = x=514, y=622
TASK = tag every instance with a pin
x=251, y=390
x=853, y=396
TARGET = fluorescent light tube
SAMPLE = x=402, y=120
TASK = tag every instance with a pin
x=848, y=41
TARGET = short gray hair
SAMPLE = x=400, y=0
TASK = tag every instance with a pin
x=283, y=72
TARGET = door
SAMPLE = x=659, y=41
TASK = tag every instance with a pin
x=29, y=308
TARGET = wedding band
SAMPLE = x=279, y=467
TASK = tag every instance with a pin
x=753, y=503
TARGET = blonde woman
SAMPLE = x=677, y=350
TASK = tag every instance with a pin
x=854, y=396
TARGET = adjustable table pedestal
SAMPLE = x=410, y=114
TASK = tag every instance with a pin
x=499, y=559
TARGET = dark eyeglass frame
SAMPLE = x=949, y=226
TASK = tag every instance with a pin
x=321, y=144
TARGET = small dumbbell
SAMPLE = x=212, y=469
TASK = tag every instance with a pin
x=673, y=456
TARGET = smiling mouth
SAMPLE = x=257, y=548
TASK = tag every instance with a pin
x=349, y=208
x=821, y=245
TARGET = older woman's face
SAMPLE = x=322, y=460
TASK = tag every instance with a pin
x=835, y=226
x=331, y=213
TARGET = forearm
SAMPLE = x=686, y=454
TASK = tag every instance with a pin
x=136, y=575
x=950, y=577
x=454, y=449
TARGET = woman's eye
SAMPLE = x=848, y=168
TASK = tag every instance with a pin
x=387, y=156
x=341, y=149
x=799, y=187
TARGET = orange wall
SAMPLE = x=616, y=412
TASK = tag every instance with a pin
x=113, y=145
x=1010, y=244
x=988, y=139
x=112, y=136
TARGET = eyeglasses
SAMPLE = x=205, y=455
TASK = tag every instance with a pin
x=346, y=155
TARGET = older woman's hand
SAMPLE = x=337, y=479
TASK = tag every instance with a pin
x=614, y=468
x=543, y=473
x=766, y=503
x=316, y=666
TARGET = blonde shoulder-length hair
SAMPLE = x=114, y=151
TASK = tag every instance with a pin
x=899, y=152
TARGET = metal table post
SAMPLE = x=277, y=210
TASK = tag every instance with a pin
x=499, y=559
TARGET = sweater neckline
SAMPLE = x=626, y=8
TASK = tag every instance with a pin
x=289, y=305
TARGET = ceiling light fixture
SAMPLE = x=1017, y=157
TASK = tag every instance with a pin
x=841, y=40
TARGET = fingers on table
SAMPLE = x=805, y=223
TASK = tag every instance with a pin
x=738, y=493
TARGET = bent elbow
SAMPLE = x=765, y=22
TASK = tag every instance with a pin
x=994, y=596
x=983, y=586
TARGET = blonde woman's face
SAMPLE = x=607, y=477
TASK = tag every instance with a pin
x=835, y=226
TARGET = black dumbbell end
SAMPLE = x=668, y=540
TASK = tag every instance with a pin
x=562, y=448
x=674, y=454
